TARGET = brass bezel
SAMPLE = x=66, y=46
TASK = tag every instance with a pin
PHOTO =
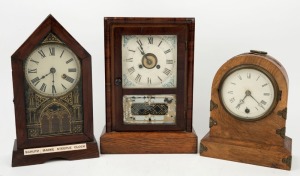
x=267, y=74
x=75, y=58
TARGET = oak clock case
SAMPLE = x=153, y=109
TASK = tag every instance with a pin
x=248, y=112
x=149, y=69
x=52, y=89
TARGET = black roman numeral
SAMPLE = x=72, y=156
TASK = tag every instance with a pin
x=169, y=61
x=232, y=100
x=131, y=70
x=43, y=87
x=63, y=86
x=32, y=70
x=138, y=78
x=41, y=52
x=52, y=51
x=167, y=51
x=53, y=89
x=266, y=94
x=62, y=53
x=129, y=60
x=149, y=80
x=69, y=79
x=150, y=39
x=70, y=60
x=34, y=61
x=159, y=43
x=131, y=50
x=249, y=75
x=264, y=85
x=239, y=76
x=35, y=80
x=263, y=102
x=159, y=78
x=139, y=42
x=167, y=71
x=72, y=69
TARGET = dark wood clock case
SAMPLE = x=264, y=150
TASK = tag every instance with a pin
x=51, y=27
x=261, y=142
x=118, y=137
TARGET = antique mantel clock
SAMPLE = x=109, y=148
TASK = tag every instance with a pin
x=149, y=85
x=248, y=112
x=53, y=97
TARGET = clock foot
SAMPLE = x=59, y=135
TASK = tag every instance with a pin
x=148, y=142
x=70, y=152
x=274, y=156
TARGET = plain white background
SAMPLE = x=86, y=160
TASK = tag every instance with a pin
x=223, y=29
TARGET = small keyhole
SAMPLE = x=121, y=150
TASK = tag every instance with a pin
x=118, y=81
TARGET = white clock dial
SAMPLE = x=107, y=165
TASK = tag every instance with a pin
x=52, y=70
x=149, y=61
x=248, y=93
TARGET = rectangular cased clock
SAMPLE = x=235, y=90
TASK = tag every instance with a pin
x=149, y=85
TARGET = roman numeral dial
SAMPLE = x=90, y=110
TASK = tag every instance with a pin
x=252, y=95
x=52, y=70
x=149, y=61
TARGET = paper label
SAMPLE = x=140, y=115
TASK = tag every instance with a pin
x=54, y=149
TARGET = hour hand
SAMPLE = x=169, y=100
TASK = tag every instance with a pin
x=240, y=103
x=44, y=76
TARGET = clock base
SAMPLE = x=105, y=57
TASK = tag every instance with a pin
x=148, y=142
x=19, y=159
x=248, y=152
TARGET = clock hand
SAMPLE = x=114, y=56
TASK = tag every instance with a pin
x=144, y=55
x=53, y=70
x=141, y=50
x=44, y=76
x=259, y=104
x=240, y=103
x=247, y=93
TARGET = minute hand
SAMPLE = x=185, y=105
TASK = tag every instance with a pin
x=259, y=104
x=141, y=50
x=144, y=55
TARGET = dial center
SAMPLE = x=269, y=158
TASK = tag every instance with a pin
x=149, y=60
x=248, y=92
x=52, y=70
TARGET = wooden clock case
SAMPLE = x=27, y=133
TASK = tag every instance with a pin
x=120, y=138
x=261, y=142
x=51, y=26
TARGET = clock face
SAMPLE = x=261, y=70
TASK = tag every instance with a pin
x=149, y=61
x=248, y=93
x=52, y=70
x=149, y=109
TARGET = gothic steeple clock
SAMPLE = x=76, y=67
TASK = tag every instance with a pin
x=52, y=83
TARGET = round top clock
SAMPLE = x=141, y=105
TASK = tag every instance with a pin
x=248, y=112
x=249, y=95
x=52, y=70
x=248, y=92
